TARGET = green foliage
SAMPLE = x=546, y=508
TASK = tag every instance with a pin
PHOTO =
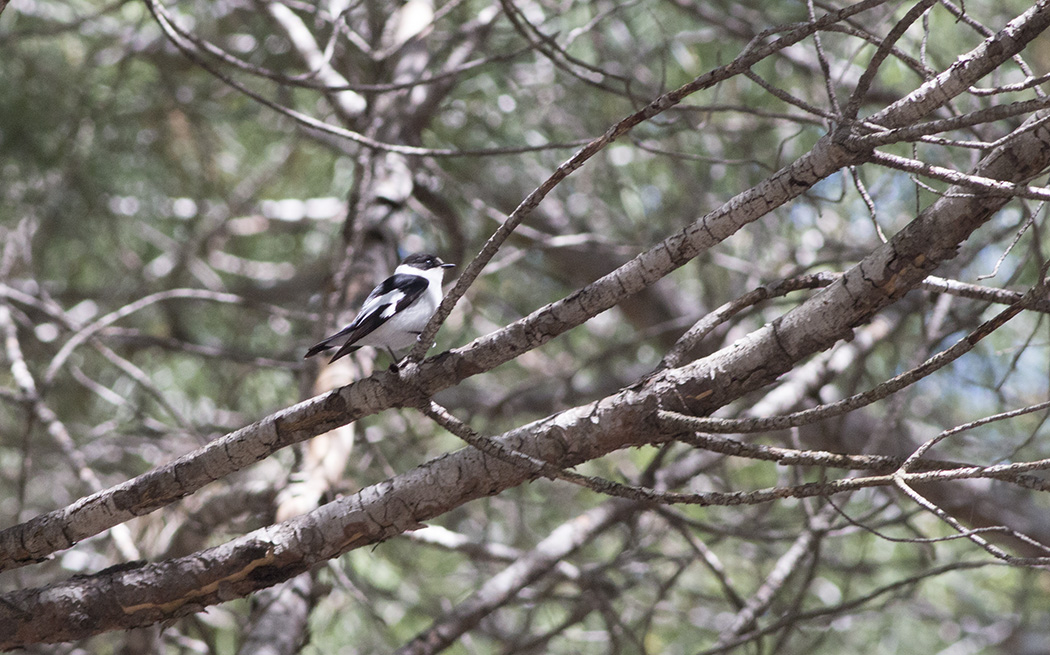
x=128, y=170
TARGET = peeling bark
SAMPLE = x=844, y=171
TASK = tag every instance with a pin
x=126, y=596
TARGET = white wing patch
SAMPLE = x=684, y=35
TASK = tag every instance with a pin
x=395, y=298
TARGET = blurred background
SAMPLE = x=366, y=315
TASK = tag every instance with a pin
x=183, y=213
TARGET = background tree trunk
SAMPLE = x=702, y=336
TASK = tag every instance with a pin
x=752, y=297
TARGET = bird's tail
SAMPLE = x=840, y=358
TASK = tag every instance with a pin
x=343, y=339
x=318, y=348
x=326, y=345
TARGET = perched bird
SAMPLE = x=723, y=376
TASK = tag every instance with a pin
x=395, y=313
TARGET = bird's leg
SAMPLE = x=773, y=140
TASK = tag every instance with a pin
x=393, y=361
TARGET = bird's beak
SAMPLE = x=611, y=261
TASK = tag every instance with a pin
x=443, y=265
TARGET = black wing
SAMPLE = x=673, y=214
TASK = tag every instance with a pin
x=391, y=296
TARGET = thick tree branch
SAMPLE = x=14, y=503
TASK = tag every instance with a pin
x=43, y=535
x=120, y=599
x=751, y=56
x=126, y=598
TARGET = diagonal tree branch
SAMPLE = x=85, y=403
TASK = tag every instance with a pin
x=498, y=590
x=768, y=352
x=743, y=63
x=125, y=598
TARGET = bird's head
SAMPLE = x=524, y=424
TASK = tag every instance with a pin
x=425, y=261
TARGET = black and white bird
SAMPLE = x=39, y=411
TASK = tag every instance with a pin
x=395, y=313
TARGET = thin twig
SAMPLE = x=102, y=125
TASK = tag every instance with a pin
x=856, y=401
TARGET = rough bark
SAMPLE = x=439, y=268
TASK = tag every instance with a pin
x=126, y=596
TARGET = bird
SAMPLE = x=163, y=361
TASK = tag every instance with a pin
x=395, y=312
